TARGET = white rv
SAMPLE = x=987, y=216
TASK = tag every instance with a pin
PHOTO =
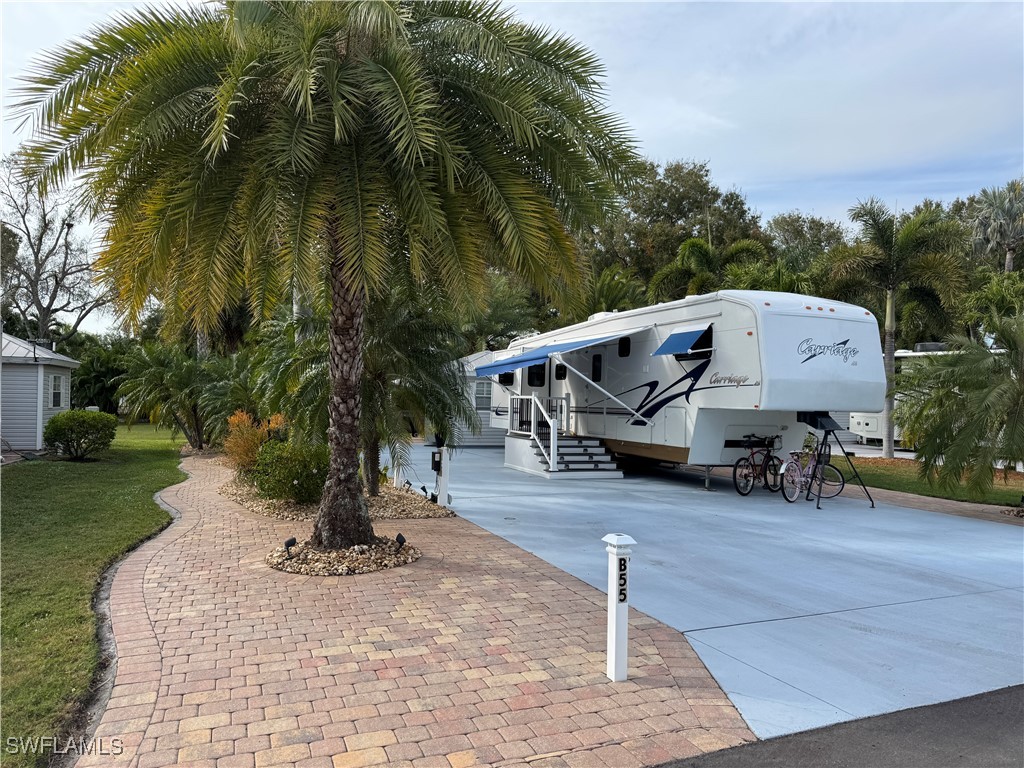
x=684, y=381
x=867, y=426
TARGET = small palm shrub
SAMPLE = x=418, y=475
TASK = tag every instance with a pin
x=291, y=471
x=247, y=435
x=77, y=434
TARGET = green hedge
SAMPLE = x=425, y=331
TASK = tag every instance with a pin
x=76, y=434
x=289, y=471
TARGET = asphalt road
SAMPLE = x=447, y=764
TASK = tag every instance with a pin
x=984, y=731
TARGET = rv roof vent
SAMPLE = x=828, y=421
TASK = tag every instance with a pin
x=599, y=315
x=930, y=346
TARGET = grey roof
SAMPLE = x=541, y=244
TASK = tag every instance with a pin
x=17, y=350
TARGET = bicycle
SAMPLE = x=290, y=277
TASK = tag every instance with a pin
x=762, y=465
x=816, y=477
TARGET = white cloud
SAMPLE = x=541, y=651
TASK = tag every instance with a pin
x=805, y=105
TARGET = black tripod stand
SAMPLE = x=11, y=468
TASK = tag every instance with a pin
x=821, y=420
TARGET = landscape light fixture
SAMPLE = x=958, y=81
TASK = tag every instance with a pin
x=401, y=540
x=407, y=485
x=289, y=543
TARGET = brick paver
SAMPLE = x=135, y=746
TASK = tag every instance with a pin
x=477, y=654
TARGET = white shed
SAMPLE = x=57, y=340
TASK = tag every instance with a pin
x=35, y=384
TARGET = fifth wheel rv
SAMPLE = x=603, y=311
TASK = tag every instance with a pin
x=684, y=381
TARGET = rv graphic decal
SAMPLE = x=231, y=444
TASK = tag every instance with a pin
x=837, y=349
x=654, y=401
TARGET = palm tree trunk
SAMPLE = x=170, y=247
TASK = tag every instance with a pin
x=343, y=520
x=888, y=428
x=1008, y=265
x=371, y=462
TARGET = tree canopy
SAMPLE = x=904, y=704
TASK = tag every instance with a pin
x=254, y=150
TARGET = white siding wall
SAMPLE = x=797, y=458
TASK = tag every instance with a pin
x=479, y=393
x=19, y=405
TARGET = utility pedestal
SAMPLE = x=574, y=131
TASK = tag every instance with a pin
x=618, y=550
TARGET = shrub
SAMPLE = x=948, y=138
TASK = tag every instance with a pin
x=289, y=471
x=76, y=434
x=247, y=435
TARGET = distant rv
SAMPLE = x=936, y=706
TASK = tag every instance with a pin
x=684, y=381
x=867, y=426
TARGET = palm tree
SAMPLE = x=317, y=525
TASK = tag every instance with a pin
x=616, y=289
x=999, y=220
x=255, y=148
x=232, y=387
x=965, y=411
x=165, y=384
x=699, y=268
x=757, y=276
x=410, y=372
x=504, y=313
x=892, y=254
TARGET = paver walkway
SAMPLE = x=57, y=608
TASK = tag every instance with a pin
x=478, y=653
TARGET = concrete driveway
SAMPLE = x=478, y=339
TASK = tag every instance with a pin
x=805, y=617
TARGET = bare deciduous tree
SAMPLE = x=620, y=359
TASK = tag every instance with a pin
x=47, y=269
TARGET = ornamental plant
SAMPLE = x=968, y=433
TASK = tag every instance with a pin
x=247, y=435
x=78, y=434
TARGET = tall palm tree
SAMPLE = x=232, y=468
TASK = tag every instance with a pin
x=891, y=254
x=999, y=220
x=965, y=411
x=699, y=268
x=246, y=149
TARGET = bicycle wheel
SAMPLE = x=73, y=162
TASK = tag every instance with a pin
x=743, y=476
x=831, y=479
x=791, y=476
x=771, y=470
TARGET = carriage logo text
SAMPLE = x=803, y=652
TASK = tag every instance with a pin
x=728, y=379
x=841, y=349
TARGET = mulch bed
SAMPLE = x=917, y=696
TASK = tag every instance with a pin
x=392, y=504
x=307, y=560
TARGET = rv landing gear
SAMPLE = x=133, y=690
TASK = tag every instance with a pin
x=707, y=478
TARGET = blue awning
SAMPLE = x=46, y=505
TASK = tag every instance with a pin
x=684, y=341
x=541, y=354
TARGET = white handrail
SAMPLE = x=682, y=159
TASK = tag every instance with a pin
x=515, y=419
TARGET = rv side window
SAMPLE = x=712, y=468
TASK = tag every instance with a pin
x=536, y=375
x=483, y=396
x=595, y=368
x=561, y=372
x=507, y=379
x=624, y=345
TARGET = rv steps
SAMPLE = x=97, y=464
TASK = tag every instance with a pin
x=582, y=455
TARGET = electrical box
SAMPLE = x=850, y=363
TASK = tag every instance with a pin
x=435, y=461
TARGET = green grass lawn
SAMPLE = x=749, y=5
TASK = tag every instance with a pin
x=63, y=523
x=902, y=475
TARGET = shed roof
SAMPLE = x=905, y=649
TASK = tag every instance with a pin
x=17, y=350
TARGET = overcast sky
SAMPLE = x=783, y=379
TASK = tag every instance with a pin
x=809, y=106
